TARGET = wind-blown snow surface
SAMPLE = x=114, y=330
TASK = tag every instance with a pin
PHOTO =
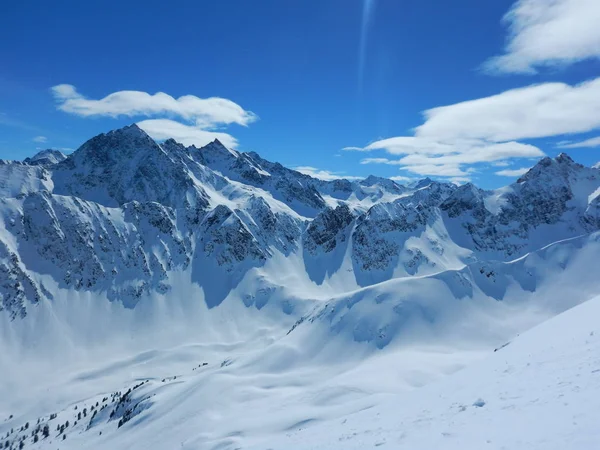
x=255, y=307
x=540, y=391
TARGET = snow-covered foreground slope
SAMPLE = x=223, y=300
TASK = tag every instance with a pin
x=541, y=391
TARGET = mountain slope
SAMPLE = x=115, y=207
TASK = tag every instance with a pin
x=539, y=391
x=377, y=348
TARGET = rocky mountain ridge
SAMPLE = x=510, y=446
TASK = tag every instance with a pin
x=123, y=213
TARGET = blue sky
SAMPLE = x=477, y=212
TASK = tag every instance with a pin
x=336, y=87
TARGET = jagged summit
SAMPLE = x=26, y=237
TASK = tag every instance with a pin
x=563, y=158
x=562, y=166
x=217, y=146
x=132, y=130
x=125, y=165
x=46, y=157
x=217, y=142
x=422, y=183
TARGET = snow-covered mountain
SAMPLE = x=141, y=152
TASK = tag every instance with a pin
x=46, y=158
x=131, y=261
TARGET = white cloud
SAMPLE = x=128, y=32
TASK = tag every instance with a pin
x=542, y=110
x=161, y=129
x=452, y=159
x=323, y=174
x=199, y=118
x=390, y=162
x=513, y=172
x=549, y=33
x=477, y=152
x=460, y=180
x=588, y=143
x=40, y=139
x=402, y=179
x=405, y=145
x=437, y=170
x=203, y=112
x=487, y=130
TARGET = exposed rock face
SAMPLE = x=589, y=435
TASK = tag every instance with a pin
x=122, y=214
x=46, y=158
x=550, y=194
x=327, y=229
x=16, y=286
x=466, y=198
x=228, y=240
x=381, y=232
x=125, y=165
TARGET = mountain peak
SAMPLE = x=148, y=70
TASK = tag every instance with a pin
x=563, y=158
x=132, y=130
x=423, y=183
x=46, y=157
x=218, y=150
x=374, y=179
x=560, y=167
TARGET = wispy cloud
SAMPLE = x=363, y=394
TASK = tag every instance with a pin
x=325, y=175
x=200, y=117
x=548, y=33
x=588, y=143
x=401, y=179
x=204, y=112
x=447, y=160
x=40, y=139
x=540, y=110
x=438, y=170
x=368, y=7
x=513, y=172
x=460, y=180
x=391, y=162
x=487, y=130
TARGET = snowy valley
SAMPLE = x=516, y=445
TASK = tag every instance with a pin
x=205, y=298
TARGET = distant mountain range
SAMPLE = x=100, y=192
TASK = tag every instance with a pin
x=122, y=212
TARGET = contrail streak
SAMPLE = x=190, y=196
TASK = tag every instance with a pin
x=368, y=6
